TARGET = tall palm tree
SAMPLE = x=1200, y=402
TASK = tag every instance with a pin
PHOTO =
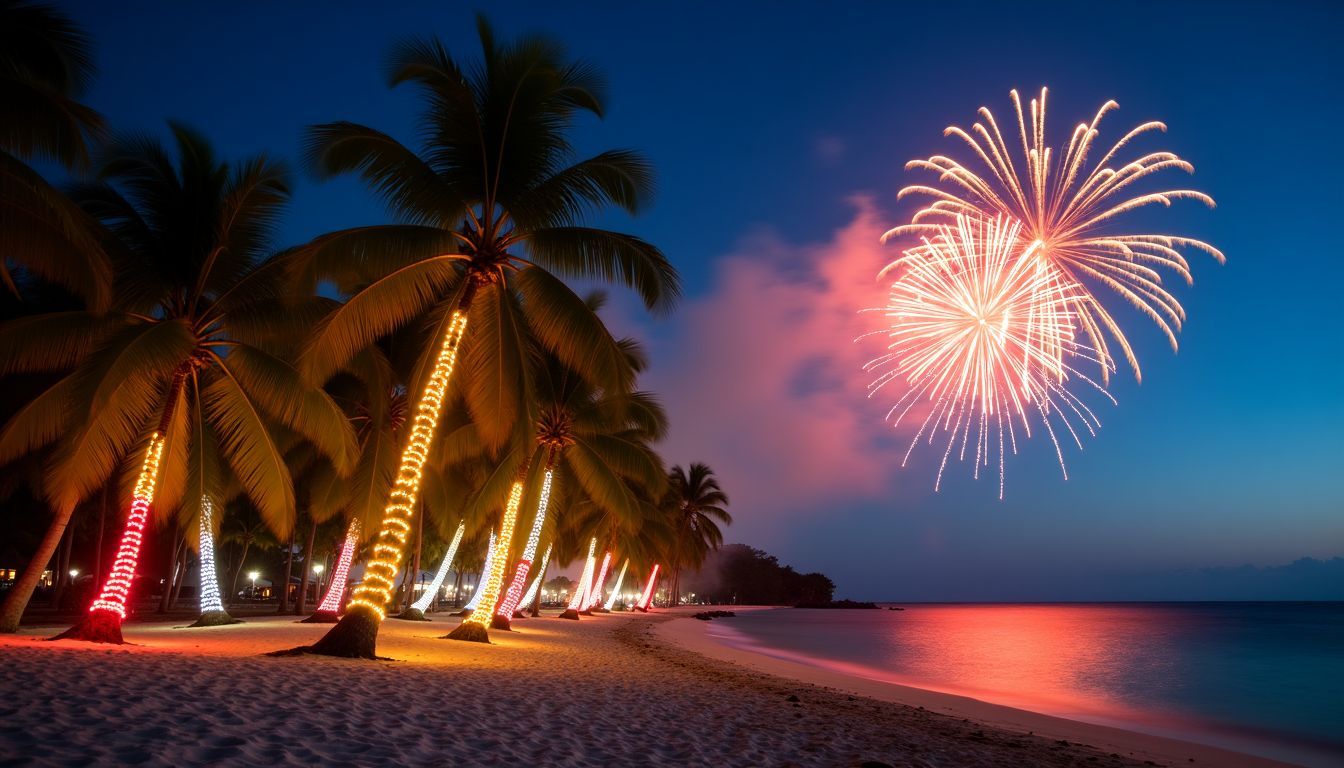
x=190, y=364
x=489, y=212
x=596, y=439
x=695, y=503
x=46, y=62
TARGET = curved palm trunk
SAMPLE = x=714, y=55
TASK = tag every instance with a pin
x=480, y=580
x=103, y=622
x=212, y=607
x=595, y=594
x=474, y=627
x=646, y=599
x=16, y=600
x=417, y=610
x=616, y=589
x=302, y=603
x=504, y=615
x=534, y=590
x=356, y=634
x=331, y=603
x=580, y=595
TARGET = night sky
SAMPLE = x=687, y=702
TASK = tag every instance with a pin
x=780, y=132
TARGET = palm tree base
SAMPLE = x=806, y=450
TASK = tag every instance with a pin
x=641, y=610
x=470, y=632
x=600, y=610
x=97, y=627
x=355, y=636
x=321, y=617
x=411, y=614
x=569, y=613
x=519, y=615
x=586, y=612
x=500, y=622
x=465, y=612
x=214, y=619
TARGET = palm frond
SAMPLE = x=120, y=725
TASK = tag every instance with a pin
x=611, y=256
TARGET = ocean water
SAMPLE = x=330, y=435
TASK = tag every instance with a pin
x=1263, y=678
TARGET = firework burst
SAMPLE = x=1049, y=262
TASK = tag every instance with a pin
x=982, y=332
x=1068, y=206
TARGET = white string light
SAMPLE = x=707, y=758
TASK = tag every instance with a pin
x=427, y=598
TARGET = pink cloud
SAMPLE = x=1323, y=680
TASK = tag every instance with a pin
x=763, y=379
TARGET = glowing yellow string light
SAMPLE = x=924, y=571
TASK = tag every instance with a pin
x=380, y=574
x=514, y=593
x=496, y=577
x=116, y=591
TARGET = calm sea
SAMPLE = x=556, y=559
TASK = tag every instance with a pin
x=1264, y=678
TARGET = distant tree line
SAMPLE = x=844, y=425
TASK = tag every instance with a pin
x=741, y=575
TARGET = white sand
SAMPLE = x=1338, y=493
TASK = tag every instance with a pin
x=602, y=691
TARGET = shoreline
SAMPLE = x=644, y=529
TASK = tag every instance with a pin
x=695, y=636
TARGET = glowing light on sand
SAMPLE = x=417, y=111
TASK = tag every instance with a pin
x=536, y=583
x=480, y=586
x=331, y=603
x=981, y=331
x=515, y=591
x=210, y=599
x=580, y=595
x=493, y=584
x=427, y=598
x=646, y=599
x=616, y=589
x=117, y=588
x=1070, y=207
x=595, y=594
x=380, y=574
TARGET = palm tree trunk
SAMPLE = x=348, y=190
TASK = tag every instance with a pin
x=415, y=560
x=212, y=607
x=474, y=627
x=242, y=563
x=504, y=616
x=331, y=602
x=16, y=600
x=289, y=570
x=356, y=634
x=541, y=585
x=183, y=564
x=62, y=567
x=427, y=599
x=171, y=575
x=103, y=622
x=102, y=518
x=307, y=569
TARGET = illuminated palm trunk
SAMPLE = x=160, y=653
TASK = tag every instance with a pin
x=646, y=599
x=595, y=594
x=421, y=605
x=356, y=634
x=102, y=624
x=504, y=615
x=331, y=602
x=474, y=627
x=480, y=586
x=581, y=590
x=616, y=590
x=212, y=607
x=533, y=590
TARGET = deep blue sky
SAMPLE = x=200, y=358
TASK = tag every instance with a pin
x=764, y=119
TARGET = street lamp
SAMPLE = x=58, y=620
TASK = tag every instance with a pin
x=317, y=569
x=74, y=572
x=254, y=575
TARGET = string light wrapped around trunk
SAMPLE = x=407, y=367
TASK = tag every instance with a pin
x=116, y=590
x=425, y=600
x=495, y=577
x=581, y=589
x=480, y=586
x=646, y=599
x=514, y=594
x=210, y=598
x=380, y=574
x=595, y=593
x=536, y=583
x=616, y=590
x=331, y=603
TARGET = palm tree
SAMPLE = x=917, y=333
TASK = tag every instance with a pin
x=249, y=530
x=695, y=503
x=595, y=439
x=488, y=211
x=190, y=364
x=46, y=62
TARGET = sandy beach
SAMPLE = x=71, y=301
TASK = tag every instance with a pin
x=609, y=690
